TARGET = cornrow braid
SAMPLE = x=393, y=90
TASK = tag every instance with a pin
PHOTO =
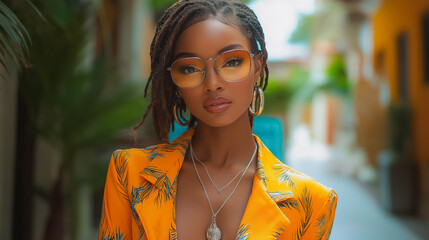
x=174, y=21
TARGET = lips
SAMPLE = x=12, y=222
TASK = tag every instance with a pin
x=217, y=104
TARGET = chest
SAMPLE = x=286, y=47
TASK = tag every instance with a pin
x=193, y=212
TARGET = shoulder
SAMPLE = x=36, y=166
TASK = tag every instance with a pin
x=140, y=158
x=308, y=204
x=304, y=191
x=281, y=179
x=304, y=186
x=304, y=183
x=310, y=208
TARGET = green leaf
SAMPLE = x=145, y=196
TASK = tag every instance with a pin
x=13, y=38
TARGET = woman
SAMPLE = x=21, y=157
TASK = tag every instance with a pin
x=217, y=180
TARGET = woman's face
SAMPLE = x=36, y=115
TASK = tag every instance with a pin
x=216, y=102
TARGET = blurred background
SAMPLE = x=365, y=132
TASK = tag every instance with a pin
x=349, y=85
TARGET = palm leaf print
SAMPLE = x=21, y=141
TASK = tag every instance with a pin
x=174, y=188
x=305, y=201
x=242, y=232
x=117, y=235
x=260, y=173
x=284, y=199
x=321, y=226
x=152, y=171
x=181, y=144
x=278, y=232
x=162, y=185
x=141, y=229
x=284, y=176
x=120, y=160
x=164, y=190
x=168, y=148
x=173, y=233
x=289, y=203
x=153, y=152
x=328, y=226
x=138, y=194
x=279, y=195
x=332, y=196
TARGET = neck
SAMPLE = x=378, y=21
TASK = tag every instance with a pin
x=225, y=146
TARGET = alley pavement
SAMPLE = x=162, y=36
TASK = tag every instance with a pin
x=359, y=214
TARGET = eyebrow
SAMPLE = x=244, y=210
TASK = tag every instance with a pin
x=188, y=54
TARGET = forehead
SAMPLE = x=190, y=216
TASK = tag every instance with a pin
x=204, y=39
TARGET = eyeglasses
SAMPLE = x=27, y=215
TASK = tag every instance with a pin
x=231, y=66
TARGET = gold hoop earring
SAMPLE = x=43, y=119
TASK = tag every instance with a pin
x=178, y=115
x=258, y=93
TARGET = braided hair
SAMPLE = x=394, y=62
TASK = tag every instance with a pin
x=174, y=21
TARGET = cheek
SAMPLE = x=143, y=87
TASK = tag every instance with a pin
x=242, y=92
x=191, y=97
x=248, y=92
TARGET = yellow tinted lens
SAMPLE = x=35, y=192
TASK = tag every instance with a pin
x=234, y=65
x=187, y=72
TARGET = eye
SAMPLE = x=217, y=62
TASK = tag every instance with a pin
x=233, y=62
x=188, y=69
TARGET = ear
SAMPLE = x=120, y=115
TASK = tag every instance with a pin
x=257, y=66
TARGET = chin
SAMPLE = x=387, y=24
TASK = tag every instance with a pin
x=217, y=122
x=214, y=123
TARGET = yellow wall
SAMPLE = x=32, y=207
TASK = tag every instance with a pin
x=392, y=18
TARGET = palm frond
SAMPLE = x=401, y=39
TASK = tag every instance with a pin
x=306, y=202
x=152, y=172
x=260, y=173
x=121, y=164
x=284, y=199
x=14, y=39
x=174, y=188
x=284, y=176
x=173, y=233
x=243, y=232
x=321, y=226
x=117, y=235
x=138, y=195
x=278, y=232
x=280, y=195
x=289, y=203
x=164, y=190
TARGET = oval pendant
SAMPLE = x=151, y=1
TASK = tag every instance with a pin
x=213, y=232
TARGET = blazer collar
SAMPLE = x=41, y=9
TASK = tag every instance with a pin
x=268, y=192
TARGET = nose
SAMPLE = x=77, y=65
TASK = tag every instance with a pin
x=212, y=82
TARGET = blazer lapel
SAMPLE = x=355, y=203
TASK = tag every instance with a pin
x=157, y=193
x=153, y=200
x=263, y=218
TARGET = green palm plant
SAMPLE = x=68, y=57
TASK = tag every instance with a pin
x=14, y=39
x=73, y=100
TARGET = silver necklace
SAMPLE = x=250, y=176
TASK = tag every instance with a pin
x=213, y=232
x=208, y=174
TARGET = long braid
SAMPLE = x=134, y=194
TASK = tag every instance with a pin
x=175, y=19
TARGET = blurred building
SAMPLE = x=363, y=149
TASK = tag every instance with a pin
x=401, y=60
x=385, y=45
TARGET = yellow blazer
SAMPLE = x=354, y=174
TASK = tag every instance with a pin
x=139, y=197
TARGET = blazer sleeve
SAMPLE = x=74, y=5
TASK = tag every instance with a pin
x=116, y=214
x=321, y=225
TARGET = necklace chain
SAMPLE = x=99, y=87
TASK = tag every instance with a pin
x=208, y=174
x=204, y=188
